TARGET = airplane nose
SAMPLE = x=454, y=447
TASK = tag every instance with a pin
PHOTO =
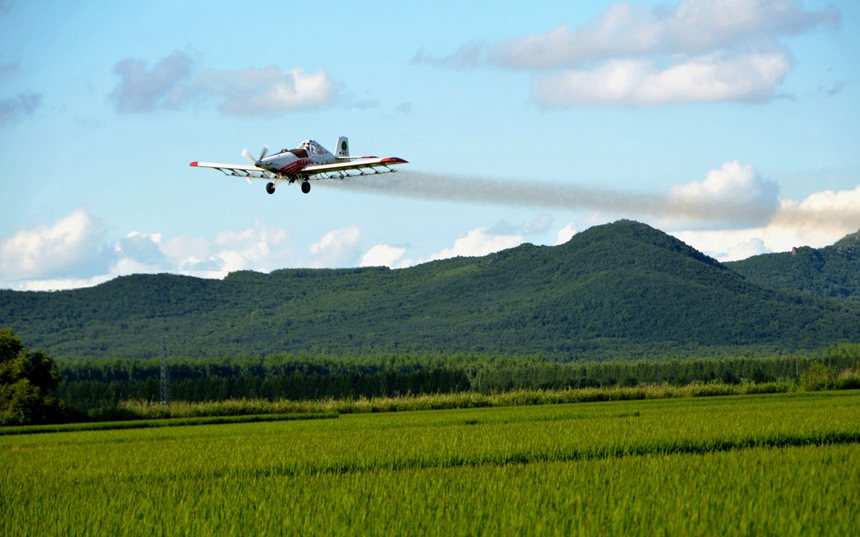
x=259, y=164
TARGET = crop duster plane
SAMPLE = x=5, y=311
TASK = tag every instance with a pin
x=309, y=162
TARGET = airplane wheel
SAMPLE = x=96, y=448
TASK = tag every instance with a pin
x=270, y=188
x=306, y=187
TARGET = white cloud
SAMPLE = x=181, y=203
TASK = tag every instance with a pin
x=139, y=253
x=826, y=210
x=140, y=90
x=71, y=246
x=382, y=255
x=565, y=234
x=734, y=195
x=258, y=91
x=692, y=51
x=819, y=220
x=338, y=247
x=690, y=27
x=73, y=253
x=256, y=248
x=754, y=246
x=55, y=284
x=262, y=247
x=246, y=92
x=479, y=242
x=711, y=78
x=539, y=225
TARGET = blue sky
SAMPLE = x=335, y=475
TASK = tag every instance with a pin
x=732, y=124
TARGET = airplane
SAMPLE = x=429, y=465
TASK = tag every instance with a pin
x=309, y=161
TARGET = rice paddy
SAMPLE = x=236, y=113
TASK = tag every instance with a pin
x=786, y=464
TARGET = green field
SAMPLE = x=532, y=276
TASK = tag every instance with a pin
x=782, y=464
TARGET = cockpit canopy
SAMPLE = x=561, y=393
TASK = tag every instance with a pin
x=312, y=147
x=307, y=147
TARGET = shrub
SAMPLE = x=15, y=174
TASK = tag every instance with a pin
x=26, y=380
x=818, y=377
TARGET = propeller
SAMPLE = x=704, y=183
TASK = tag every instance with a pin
x=247, y=154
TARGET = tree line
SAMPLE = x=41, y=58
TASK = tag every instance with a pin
x=100, y=383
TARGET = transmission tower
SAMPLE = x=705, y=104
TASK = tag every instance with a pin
x=165, y=373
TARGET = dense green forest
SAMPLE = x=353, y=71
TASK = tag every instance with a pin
x=833, y=271
x=102, y=383
x=621, y=290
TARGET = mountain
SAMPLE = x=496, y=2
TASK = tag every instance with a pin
x=617, y=290
x=832, y=271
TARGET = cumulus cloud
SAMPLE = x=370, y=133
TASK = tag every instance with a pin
x=169, y=84
x=339, y=247
x=539, y=225
x=690, y=52
x=632, y=82
x=754, y=246
x=73, y=253
x=819, y=220
x=55, y=284
x=382, y=255
x=690, y=27
x=262, y=247
x=258, y=91
x=71, y=246
x=736, y=194
x=565, y=234
x=821, y=214
x=478, y=242
x=140, y=252
x=141, y=89
x=482, y=241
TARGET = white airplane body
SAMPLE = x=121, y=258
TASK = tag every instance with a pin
x=310, y=161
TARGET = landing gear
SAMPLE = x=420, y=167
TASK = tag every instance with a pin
x=270, y=188
x=306, y=187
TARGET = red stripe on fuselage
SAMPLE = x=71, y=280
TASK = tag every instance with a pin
x=295, y=167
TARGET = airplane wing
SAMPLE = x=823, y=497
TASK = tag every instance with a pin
x=354, y=166
x=237, y=170
x=337, y=170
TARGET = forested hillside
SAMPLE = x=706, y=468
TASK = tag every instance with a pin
x=617, y=290
x=832, y=271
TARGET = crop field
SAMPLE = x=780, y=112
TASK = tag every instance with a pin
x=781, y=464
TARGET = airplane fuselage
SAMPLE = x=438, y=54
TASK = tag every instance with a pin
x=293, y=161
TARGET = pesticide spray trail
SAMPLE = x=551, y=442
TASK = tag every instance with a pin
x=544, y=195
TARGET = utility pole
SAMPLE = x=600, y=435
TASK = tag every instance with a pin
x=165, y=373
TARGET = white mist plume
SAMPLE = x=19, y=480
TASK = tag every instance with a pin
x=677, y=206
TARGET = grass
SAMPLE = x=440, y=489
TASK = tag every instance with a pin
x=153, y=410
x=786, y=464
x=144, y=424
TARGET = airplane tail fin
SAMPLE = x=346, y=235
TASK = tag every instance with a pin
x=341, y=150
